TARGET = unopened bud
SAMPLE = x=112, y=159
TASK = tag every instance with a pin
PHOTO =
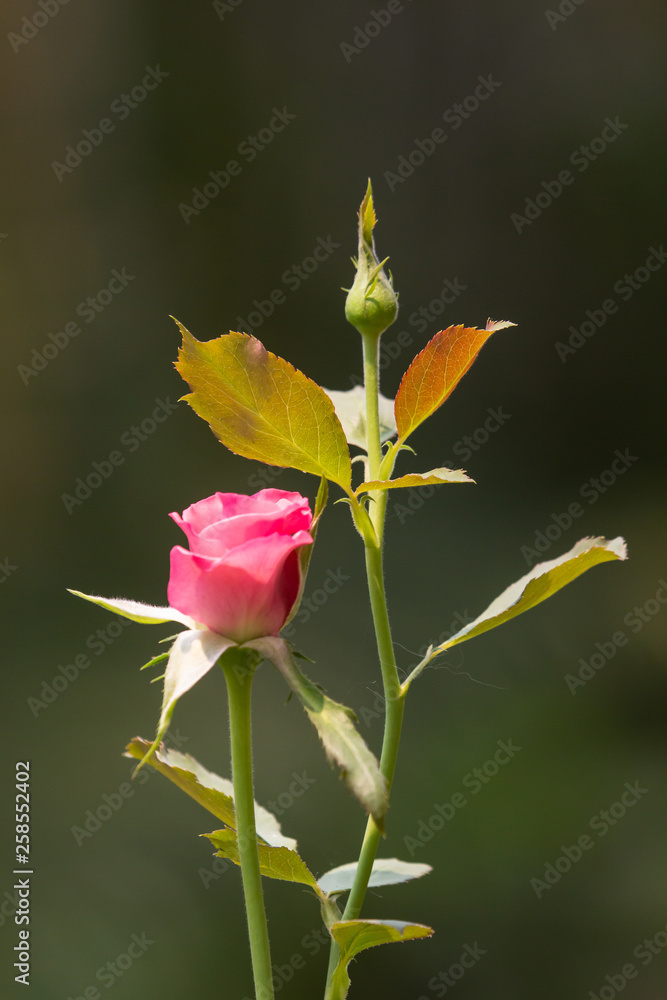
x=372, y=304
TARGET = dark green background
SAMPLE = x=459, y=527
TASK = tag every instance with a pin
x=140, y=873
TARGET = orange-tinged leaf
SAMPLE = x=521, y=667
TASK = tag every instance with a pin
x=435, y=373
x=261, y=407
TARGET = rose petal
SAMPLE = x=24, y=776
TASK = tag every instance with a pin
x=247, y=593
x=220, y=523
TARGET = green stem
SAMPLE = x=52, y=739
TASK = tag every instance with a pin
x=394, y=708
x=239, y=674
x=394, y=694
x=372, y=387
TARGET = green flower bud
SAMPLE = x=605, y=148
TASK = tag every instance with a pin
x=372, y=304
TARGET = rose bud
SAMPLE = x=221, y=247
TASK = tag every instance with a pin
x=372, y=304
x=241, y=576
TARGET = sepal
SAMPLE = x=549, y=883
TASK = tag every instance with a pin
x=191, y=657
x=145, y=614
x=342, y=742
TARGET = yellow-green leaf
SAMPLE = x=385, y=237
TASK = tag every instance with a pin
x=261, y=407
x=543, y=580
x=354, y=936
x=433, y=478
x=208, y=789
x=435, y=373
x=274, y=862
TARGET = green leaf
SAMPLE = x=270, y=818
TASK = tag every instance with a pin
x=342, y=743
x=386, y=871
x=435, y=373
x=193, y=654
x=274, y=862
x=543, y=580
x=145, y=614
x=354, y=936
x=261, y=407
x=208, y=789
x=432, y=478
x=351, y=410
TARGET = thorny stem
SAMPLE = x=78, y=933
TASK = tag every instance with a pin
x=394, y=693
x=239, y=677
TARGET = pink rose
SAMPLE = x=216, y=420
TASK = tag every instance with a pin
x=241, y=576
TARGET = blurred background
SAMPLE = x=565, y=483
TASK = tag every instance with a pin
x=188, y=160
